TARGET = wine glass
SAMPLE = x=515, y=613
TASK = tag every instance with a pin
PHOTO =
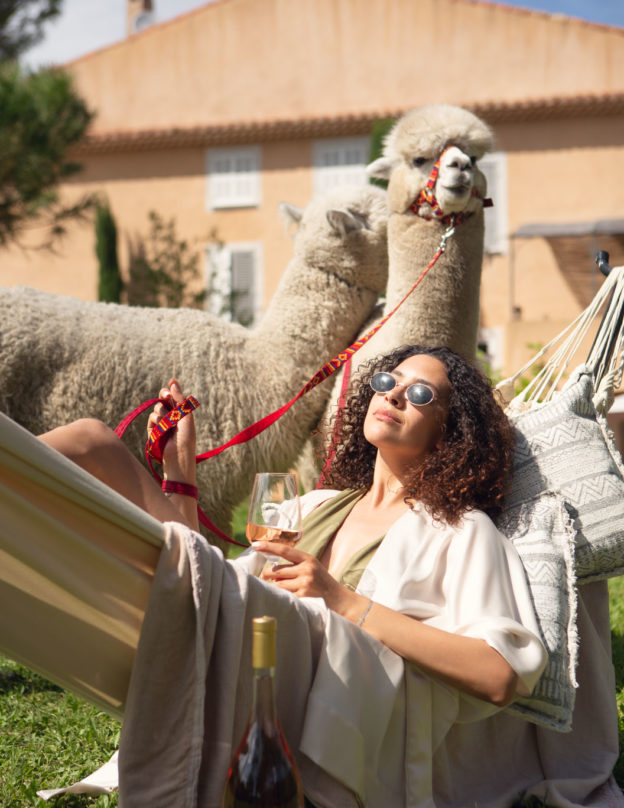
x=274, y=510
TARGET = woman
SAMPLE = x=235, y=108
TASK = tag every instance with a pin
x=423, y=457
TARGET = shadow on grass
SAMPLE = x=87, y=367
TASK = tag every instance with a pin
x=22, y=682
x=82, y=801
x=617, y=655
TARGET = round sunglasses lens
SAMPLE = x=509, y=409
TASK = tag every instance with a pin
x=419, y=394
x=383, y=382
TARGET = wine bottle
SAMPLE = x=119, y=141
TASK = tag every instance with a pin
x=263, y=773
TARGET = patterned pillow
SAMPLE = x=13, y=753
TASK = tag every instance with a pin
x=543, y=534
x=564, y=446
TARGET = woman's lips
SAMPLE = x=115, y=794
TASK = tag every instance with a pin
x=386, y=415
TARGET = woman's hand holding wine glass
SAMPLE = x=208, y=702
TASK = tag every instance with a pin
x=274, y=528
x=274, y=510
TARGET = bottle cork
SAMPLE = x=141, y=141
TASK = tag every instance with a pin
x=263, y=642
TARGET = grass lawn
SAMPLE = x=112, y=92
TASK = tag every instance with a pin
x=49, y=737
x=616, y=602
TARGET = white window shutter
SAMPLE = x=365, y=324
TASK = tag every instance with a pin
x=494, y=166
x=340, y=161
x=243, y=286
x=218, y=274
x=233, y=178
x=234, y=281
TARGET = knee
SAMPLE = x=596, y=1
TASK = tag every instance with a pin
x=94, y=429
x=90, y=434
x=82, y=441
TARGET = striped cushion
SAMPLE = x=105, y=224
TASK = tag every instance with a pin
x=543, y=534
x=565, y=446
x=565, y=516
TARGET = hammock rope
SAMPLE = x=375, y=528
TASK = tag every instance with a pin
x=605, y=358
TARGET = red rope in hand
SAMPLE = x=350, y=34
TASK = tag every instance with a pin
x=154, y=447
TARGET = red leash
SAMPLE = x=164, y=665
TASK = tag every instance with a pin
x=342, y=400
x=153, y=448
x=155, y=443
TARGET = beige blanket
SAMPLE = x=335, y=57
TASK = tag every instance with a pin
x=190, y=693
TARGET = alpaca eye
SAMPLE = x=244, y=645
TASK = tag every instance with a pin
x=419, y=161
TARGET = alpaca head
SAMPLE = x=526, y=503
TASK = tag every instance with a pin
x=412, y=148
x=344, y=233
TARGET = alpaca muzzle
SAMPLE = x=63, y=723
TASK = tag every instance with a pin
x=427, y=197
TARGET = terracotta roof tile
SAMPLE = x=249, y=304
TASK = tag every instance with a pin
x=335, y=126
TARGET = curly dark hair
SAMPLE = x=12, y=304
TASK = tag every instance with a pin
x=471, y=466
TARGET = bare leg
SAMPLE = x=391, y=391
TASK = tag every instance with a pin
x=92, y=445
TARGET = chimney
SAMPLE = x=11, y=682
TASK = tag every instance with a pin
x=139, y=15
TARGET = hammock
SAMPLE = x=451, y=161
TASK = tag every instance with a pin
x=77, y=559
x=76, y=564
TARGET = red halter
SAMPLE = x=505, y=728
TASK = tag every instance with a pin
x=427, y=197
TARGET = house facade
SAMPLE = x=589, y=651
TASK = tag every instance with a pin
x=217, y=116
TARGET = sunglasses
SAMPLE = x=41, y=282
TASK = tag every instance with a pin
x=419, y=394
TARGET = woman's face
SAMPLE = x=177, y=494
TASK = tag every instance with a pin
x=396, y=426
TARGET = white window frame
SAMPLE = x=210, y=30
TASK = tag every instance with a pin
x=233, y=177
x=494, y=166
x=218, y=274
x=339, y=161
x=494, y=339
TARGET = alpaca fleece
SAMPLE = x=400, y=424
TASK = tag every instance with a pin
x=62, y=359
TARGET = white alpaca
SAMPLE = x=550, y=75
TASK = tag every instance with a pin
x=62, y=359
x=444, y=308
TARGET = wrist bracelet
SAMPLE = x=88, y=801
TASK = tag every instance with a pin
x=366, y=611
x=186, y=489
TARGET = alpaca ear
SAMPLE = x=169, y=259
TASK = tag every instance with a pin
x=380, y=168
x=291, y=213
x=343, y=221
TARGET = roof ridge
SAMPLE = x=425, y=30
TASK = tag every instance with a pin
x=557, y=15
x=500, y=4
x=234, y=132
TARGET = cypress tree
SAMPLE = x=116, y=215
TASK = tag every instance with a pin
x=380, y=129
x=110, y=284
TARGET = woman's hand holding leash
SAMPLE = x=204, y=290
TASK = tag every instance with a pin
x=178, y=458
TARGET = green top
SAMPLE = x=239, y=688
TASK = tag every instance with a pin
x=320, y=527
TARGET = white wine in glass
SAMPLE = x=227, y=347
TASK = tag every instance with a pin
x=274, y=510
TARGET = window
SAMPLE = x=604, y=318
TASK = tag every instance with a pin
x=234, y=281
x=494, y=166
x=233, y=177
x=341, y=161
x=491, y=344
